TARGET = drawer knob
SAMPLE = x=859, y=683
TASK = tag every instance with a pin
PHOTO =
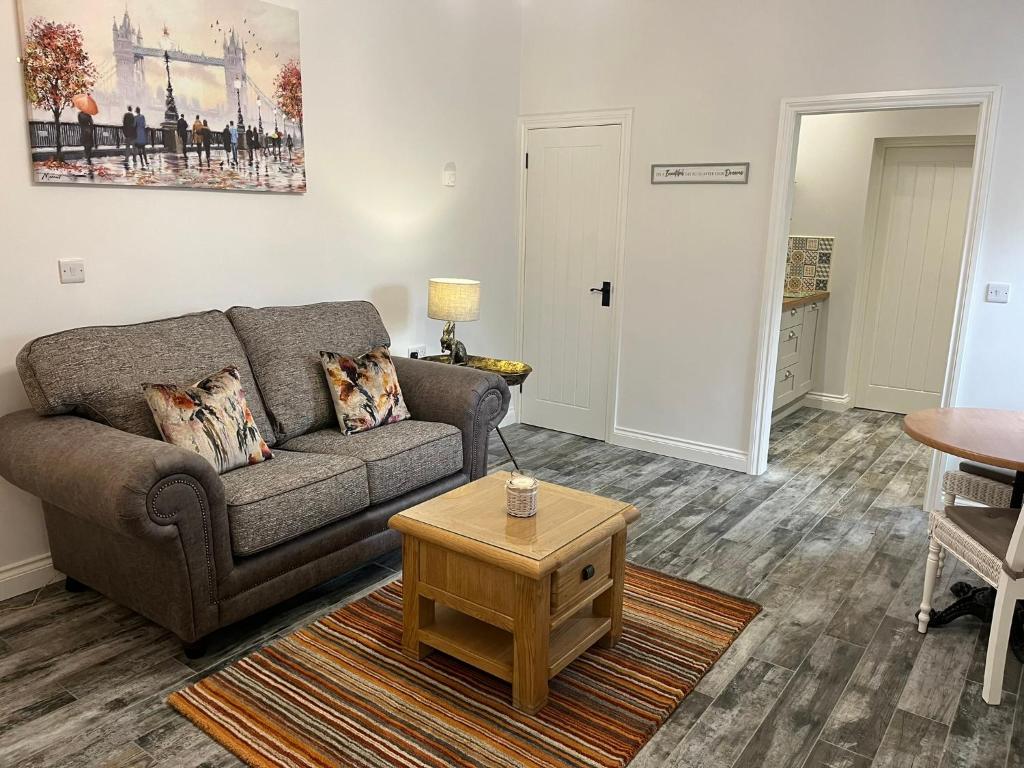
x=792, y=334
x=588, y=573
x=789, y=375
x=814, y=307
x=792, y=312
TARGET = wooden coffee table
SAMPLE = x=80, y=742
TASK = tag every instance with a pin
x=519, y=598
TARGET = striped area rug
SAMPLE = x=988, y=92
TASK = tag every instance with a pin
x=341, y=693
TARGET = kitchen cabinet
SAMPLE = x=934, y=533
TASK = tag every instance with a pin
x=795, y=367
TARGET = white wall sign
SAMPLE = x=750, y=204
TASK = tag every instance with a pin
x=701, y=173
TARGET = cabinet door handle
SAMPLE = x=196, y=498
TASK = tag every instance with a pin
x=792, y=312
x=792, y=334
x=814, y=307
x=789, y=375
x=588, y=573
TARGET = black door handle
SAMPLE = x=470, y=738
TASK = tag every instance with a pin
x=606, y=293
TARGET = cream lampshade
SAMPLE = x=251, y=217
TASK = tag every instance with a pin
x=453, y=299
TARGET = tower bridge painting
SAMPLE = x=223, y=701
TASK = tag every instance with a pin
x=178, y=93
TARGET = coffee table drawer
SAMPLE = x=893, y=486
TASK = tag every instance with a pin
x=580, y=575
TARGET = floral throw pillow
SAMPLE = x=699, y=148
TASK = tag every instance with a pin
x=364, y=389
x=210, y=418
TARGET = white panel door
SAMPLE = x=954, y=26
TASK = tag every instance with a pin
x=572, y=194
x=915, y=259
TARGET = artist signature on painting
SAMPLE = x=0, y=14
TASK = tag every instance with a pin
x=51, y=176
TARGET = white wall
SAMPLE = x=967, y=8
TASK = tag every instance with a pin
x=393, y=90
x=706, y=80
x=833, y=170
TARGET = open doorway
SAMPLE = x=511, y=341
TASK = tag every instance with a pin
x=874, y=228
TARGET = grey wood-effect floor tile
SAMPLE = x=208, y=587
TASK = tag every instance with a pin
x=825, y=755
x=862, y=713
x=770, y=594
x=980, y=734
x=814, y=608
x=675, y=555
x=82, y=715
x=837, y=483
x=791, y=728
x=180, y=743
x=868, y=600
x=863, y=492
x=655, y=752
x=781, y=508
x=813, y=551
x=947, y=653
x=739, y=654
x=911, y=742
x=738, y=568
x=1015, y=759
x=720, y=734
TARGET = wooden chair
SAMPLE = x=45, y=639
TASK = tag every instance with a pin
x=989, y=541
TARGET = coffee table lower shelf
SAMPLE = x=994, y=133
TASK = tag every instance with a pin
x=490, y=648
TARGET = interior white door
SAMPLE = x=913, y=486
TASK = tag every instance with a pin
x=572, y=194
x=915, y=255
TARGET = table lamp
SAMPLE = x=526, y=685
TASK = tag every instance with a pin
x=453, y=299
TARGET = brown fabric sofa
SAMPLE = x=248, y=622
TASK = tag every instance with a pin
x=153, y=526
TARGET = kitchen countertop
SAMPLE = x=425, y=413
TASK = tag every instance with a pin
x=794, y=302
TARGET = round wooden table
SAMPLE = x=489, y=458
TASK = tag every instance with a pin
x=989, y=437
x=984, y=435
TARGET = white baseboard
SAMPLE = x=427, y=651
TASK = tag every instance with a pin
x=25, y=576
x=828, y=402
x=703, y=453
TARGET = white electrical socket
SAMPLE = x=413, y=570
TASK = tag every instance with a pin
x=998, y=293
x=71, y=270
x=420, y=350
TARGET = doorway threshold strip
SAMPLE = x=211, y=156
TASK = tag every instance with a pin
x=341, y=692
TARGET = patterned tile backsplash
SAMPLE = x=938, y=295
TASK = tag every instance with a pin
x=808, y=264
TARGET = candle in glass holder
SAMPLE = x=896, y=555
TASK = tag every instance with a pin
x=521, y=495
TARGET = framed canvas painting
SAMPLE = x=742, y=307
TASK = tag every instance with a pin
x=168, y=93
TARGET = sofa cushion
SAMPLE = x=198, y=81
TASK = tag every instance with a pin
x=277, y=500
x=210, y=418
x=97, y=372
x=399, y=457
x=283, y=345
x=364, y=390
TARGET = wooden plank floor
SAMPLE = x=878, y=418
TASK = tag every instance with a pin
x=831, y=541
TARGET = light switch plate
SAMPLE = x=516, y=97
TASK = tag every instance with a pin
x=998, y=293
x=71, y=270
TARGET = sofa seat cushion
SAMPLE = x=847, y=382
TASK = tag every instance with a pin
x=290, y=495
x=399, y=457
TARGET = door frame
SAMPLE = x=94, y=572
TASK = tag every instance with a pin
x=860, y=293
x=986, y=99
x=622, y=117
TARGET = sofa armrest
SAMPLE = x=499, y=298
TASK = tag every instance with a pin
x=140, y=520
x=114, y=479
x=472, y=400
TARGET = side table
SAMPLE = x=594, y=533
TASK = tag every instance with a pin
x=513, y=372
